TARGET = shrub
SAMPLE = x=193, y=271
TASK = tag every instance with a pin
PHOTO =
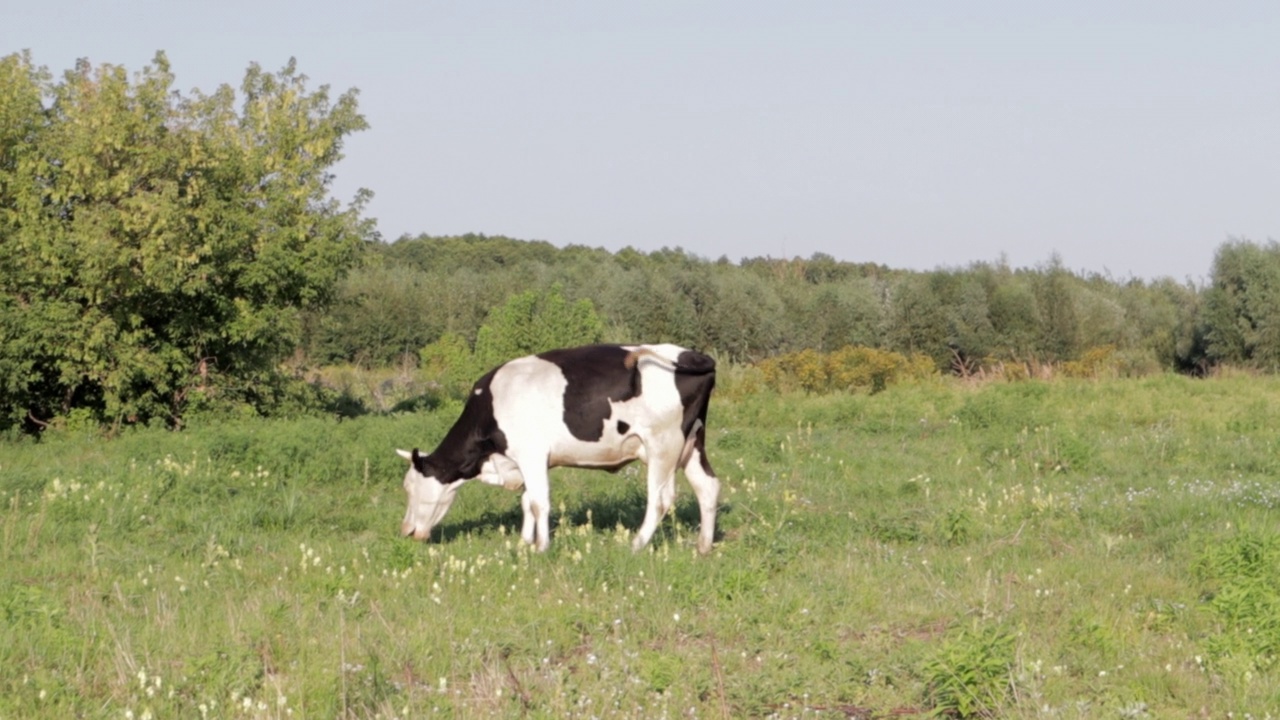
x=969, y=676
x=849, y=368
x=1096, y=362
x=449, y=362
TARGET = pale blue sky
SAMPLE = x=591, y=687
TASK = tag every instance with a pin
x=1129, y=137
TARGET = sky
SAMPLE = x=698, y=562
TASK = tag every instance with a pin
x=1126, y=138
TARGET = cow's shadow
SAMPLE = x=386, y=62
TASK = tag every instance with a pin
x=602, y=515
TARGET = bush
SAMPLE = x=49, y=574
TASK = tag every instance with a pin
x=449, y=362
x=849, y=368
x=1096, y=362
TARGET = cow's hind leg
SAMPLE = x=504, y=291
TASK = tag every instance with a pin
x=662, y=491
x=706, y=487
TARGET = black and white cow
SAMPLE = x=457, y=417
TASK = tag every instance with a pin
x=599, y=406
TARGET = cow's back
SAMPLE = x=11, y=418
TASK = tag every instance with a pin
x=595, y=405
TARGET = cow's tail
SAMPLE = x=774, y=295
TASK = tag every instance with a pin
x=688, y=362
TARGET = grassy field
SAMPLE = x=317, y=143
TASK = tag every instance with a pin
x=1067, y=549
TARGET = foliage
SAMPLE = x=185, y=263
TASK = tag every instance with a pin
x=1242, y=305
x=530, y=322
x=986, y=318
x=969, y=676
x=918, y=321
x=382, y=313
x=1243, y=575
x=647, y=304
x=1095, y=362
x=1056, y=300
x=482, y=253
x=1015, y=317
x=849, y=368
x=450, y=362
x=157, y=248
x=535, y=321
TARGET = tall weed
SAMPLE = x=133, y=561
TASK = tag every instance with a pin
x=969, y=675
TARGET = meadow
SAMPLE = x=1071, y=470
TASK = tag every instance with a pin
x=1060, y=549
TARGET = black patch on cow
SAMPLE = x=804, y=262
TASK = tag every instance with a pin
x=623, y=427
x=471, y=440
x=701, y=444
x=419, y=462
x=695, y=379
x=695, y=363
x=596, y=375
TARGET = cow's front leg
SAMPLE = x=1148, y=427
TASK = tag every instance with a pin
x=536, y=502
x=527, y=527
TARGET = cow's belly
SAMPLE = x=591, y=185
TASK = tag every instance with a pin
x=605, y=454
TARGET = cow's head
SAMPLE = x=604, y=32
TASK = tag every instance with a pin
x=429, y=499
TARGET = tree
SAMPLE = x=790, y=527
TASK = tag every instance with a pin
x=536, y=321
x=646, y=304
x=971, y=335
x=1242, y=305
x=382, y=313
x=1014, y=317
x=157, y=250
x=746, y=319
x=1055, y=299
x=919, y=319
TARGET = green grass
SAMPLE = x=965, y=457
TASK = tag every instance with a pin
x=1065, y=549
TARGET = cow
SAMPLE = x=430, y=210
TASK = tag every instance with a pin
x=598, y=406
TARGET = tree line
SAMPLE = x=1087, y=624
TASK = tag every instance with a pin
x=407, y=294
x=162, y=254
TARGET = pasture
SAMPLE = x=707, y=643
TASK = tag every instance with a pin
x=1063, y=549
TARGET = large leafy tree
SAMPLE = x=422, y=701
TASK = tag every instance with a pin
x=156, y=249
x=1242, y=305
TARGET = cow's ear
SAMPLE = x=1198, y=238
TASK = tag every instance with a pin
x=407, y=455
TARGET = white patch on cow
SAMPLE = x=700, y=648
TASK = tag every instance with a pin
x=501, y=470
x=527, y=389
x=528, y=403
x=670, y=353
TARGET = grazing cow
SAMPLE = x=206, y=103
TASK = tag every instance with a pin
x=599, y=406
